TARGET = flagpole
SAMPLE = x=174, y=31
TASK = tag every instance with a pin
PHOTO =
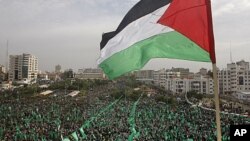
x=217, y=103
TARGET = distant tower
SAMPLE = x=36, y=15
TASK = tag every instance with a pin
x=23, y=67
x=7, y=57
x=58, y=68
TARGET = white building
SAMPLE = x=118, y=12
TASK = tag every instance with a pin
x=178, y=80
x=2, y=73
x=177, y=85
x=160, y=77
x=23, y=67
x=201, y=85
x=235, y=78
x=2, y=69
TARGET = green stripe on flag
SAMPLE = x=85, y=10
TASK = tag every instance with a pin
x=167, y=45
x=74, y=135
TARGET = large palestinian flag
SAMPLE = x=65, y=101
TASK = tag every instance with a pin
x=177, y=29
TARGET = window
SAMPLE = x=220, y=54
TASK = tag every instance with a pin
x=241, y=80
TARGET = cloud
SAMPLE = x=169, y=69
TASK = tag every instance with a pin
x=222, y=7
x=68, y=32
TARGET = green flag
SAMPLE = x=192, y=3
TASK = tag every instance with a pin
x=74, y=135
x=84, y=136
x=66, y=139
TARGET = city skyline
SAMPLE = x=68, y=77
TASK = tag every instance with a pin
x=69, y=32
x=58, y=68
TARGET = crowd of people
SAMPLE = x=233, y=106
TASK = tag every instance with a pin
x=60, y=117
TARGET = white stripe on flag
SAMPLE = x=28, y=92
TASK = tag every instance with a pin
x=136, y=31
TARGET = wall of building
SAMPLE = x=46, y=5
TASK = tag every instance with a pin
x=22, y=67
x=236, y=77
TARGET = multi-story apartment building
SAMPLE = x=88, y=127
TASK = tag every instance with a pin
x=177, y=85
x=2, y=69
x=178, y=80
x=23, y=67
x=235, y=78
x=201, y=85
x=160, y=77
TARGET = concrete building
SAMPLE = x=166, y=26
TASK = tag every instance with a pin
x=90, y=73
x=235, y=78
x=156, y=77
x=2, y=73
x=23, y=67
x=183, y=72
x=180, y=80
x=177, y=85
x=2, y=69
x=201, y=85
x=160, y=77
x=224, y=81
x=146, y=76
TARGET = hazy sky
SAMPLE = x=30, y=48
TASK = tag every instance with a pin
x=68, y=32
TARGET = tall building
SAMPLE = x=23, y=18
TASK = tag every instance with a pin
x=58, y=69
x=235, y=78
x=160, y=77
x=23, y=67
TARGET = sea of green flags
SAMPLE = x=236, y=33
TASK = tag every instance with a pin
x=119, y=119
x=87, y=123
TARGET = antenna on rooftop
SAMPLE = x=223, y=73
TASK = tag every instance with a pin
x=231, y=58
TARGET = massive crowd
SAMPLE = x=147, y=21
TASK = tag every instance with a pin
x=58, y=117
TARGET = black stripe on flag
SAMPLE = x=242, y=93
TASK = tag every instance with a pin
x=141, y=9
